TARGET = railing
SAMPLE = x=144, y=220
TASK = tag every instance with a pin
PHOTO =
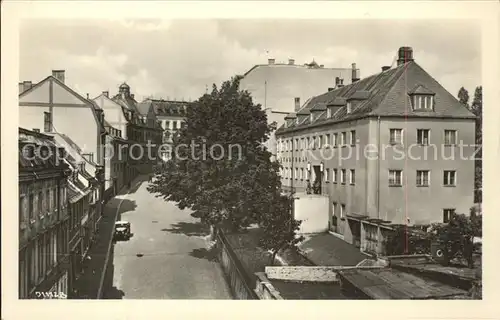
x=239, y=282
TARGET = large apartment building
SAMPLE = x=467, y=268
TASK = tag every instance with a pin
x=392, y=148
x=44, y=263
x=171, y=115
x=283, y=87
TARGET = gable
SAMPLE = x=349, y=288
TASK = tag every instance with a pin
x=64, y=96
x=39, y=93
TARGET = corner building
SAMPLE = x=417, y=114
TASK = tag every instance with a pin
x=390, y=149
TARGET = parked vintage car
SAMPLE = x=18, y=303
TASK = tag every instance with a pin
x=122, y=230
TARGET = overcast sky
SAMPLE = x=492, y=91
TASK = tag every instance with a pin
x=176, y=59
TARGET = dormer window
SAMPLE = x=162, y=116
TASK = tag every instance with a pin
x=422, y=98
x=349, y=107
x=423, y=102
x=311, y=118
x=329, y=113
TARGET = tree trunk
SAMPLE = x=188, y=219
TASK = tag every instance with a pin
x=273, y=257
x=213, y=233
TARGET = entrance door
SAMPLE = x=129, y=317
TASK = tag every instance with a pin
x=317, y=180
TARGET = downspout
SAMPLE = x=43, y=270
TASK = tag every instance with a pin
x=378, y=167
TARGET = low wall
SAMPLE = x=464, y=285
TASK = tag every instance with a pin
x=313, y=211
x=313, y=274
x=264, y=289
x=237, y=279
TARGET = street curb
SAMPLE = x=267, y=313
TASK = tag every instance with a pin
x=106, y=261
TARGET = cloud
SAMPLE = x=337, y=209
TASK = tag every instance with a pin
x=179, y=58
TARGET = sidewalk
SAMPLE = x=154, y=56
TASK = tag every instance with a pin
x=87, y=285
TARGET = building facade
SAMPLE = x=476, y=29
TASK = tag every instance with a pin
x=282, y=88
x=391, y=149
x=55, y=107
x=171, y=115
x=140, y=133
x=44, y=263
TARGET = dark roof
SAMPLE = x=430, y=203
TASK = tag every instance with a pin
x=327, y=250
x=360, y=95
x=168, y=107
x=291, y=116
x=386, y=94
x=27, y=137
x=387, y=283
x=292, y=290
x=420, y=89
x=319, y=107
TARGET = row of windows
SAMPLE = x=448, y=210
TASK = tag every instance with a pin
x=337, y=139
x=423, y=178
x=340, y=139
x=173, y=124
x=37, y=260
x=395, y=176
x=39, y=204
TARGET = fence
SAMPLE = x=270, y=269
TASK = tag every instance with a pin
x=239, y=282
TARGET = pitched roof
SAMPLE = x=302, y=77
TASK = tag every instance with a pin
x=420, y=89
x=386, y=94
x=168, y=107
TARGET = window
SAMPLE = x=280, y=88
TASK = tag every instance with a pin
x=343, y=138
x=327, y=140
x=47, y=124
x=450, y=137
x=342, y=211
x=301, y=143
x=353, y=137
x=423, y=102
x=396, y=136
x=329, y=112
x=31, y=207
x=296, y=144
x=423, y=136
x=174, y=125
x=302, y=173
x=296, y=173
x=313, y=142
x=307, y=143
x=334, y=139
x=449, y=178
x=352, y=177
x=343, y=176
x=22, y=209
x=395, y=177
x=447, y=214
x=48, y=208
x=422, y=178
x=327, y=175
x=349, y=107
x=334, y=175
x=40, y=204
x=307, y=174
x=54, y=198
x=320, y=141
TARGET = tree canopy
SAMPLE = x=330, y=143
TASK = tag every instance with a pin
x=220, y=169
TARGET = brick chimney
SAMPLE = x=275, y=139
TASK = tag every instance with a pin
x=355, y=74
x=271, y=61
x=291, y=62
x=297, y=103
x=27, y=85
x=106, y=94
x=59, y=75
x=405, y=54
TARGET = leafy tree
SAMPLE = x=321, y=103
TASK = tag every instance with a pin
x=456, y=236
x=477, y=108
x=224, y=175
x=463, y=96
x=406, y=240
x=279, y=229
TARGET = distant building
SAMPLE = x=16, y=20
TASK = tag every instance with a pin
x=385, y=150
x=119, y=121
x=44, y=263
x=140, y=132
x=282, y=88
x=171, y=115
